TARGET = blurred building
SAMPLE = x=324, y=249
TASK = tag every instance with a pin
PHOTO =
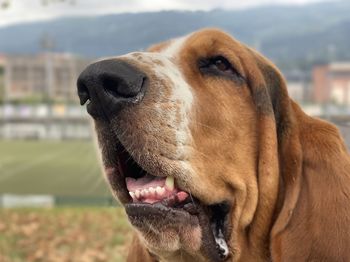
x=41, y=77
x=331, y=83
x=43, y=121
x=38, y=98
x=298, y=85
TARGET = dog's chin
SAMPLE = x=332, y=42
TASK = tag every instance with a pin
x=169, y=219
x=166, y=231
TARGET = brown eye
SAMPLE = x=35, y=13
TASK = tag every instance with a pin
x=222, y=65
x=219, y=66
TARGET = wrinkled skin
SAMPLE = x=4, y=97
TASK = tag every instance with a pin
x=239, y=140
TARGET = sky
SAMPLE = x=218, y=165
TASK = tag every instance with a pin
x=19, y=11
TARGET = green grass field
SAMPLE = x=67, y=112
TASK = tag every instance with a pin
x=68, y=168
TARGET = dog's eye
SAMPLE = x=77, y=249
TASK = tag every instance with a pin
x=220, y=63
x=219, y=66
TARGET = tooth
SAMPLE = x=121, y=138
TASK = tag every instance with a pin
x=137, y=193
x=169, y=183
x=160, y=190
x=132, y=195
x=143, y=192
x=152, y=191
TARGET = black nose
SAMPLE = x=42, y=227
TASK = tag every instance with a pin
x=109, y=85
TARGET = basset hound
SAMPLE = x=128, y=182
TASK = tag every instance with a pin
x=212, y=160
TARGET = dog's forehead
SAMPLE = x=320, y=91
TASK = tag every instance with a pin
x=161, y=54
x=197, y=44
x=161, y=60
x=173, y=47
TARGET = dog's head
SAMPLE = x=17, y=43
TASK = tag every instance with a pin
x=187, y=132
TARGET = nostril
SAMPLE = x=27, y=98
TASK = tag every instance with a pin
x=122, y=87
x=83, y=93
x=111, y=85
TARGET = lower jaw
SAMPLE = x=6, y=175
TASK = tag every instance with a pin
x=184, y=221
x=211, y=220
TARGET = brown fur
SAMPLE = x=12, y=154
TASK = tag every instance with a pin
x=287, y=174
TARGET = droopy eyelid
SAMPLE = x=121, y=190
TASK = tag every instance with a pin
x=207, y=66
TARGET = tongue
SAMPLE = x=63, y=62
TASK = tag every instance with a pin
x=144, y=182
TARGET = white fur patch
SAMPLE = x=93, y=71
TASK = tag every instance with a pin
x=175, y=100
x=181, y=94
x=174, y=47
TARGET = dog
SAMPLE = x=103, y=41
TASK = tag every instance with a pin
x=212, y=160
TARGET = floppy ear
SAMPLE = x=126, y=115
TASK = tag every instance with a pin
x=311, y=218
x=275, y=118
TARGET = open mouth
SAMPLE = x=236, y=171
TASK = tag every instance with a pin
x=158, y=201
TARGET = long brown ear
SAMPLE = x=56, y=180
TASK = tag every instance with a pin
x=312, y=211
x=269, y=95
